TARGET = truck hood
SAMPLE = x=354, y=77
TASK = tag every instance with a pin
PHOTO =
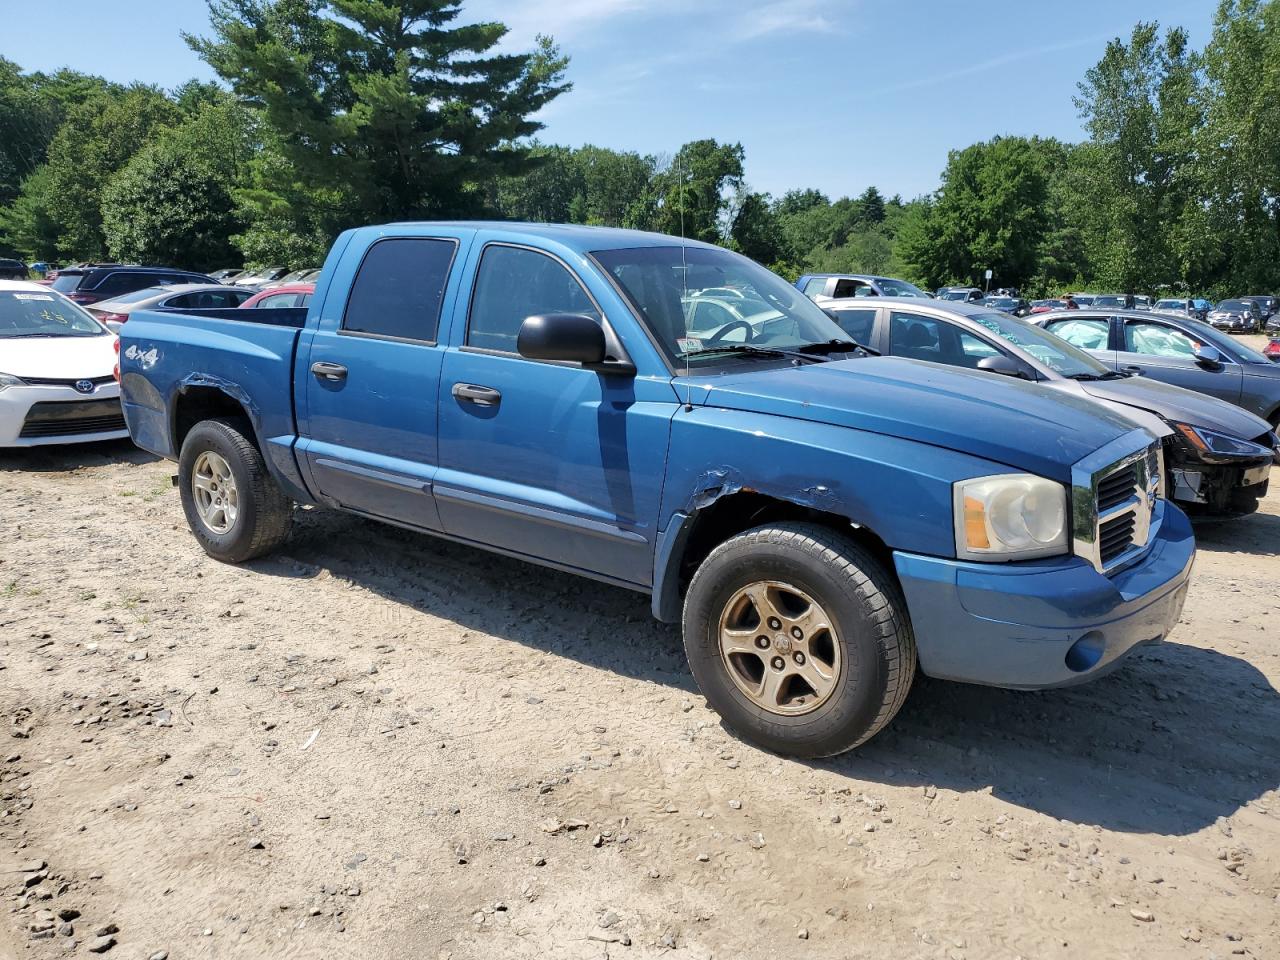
x=1179, y=404
x=58, y=358
x=1001, y=419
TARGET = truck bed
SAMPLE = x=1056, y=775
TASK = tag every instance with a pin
x=295, y=317
x=171, y=359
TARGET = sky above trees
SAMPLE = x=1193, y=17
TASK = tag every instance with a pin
x=835, y=94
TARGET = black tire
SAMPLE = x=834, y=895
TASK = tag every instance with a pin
x=867, y=611
x=265, y=513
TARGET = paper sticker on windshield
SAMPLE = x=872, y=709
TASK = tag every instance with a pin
x=33, y=296
x=689, y=344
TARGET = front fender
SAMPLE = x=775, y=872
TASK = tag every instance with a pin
x=898, y=489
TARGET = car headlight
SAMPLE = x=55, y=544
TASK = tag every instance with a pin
x=1210, y=444
x=8, y=380
x=1013, y=516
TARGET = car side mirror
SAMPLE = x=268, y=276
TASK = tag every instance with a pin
x=115, y=326
x=1208, y=356
x=564, y=337
x=1005, y=366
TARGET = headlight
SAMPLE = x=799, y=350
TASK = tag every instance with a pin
x=1210, y=444
x=1013, y=516
x=8, y=380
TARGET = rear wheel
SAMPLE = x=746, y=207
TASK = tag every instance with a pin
x=799, y=639
x=233, y=506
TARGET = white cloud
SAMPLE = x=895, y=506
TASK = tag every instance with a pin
x=575, y=22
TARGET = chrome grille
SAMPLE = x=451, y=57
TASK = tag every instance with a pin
x=1114, y=497
x=1114, y=489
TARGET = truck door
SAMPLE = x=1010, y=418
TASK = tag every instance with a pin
x=547, y=460
x=368, y=421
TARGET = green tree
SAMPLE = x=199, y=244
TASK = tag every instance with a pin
x=1133, y=179
x=754, y=230
x=99, y=137
x=990, y=212
x=388, y=102
x=693, y=192
x=1238, y=228
x=166, y=206
x=26, y=226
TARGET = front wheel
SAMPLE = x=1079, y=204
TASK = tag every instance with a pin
x=233, y=506
x=799, y=639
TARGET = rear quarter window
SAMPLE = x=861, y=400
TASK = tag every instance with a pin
x=399, y=290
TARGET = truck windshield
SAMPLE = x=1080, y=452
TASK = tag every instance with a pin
x=1050, y=349
x=40, y=314
x=700, y=303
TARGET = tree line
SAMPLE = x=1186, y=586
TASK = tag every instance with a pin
x=332, y=113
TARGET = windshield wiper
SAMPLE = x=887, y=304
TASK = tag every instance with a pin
x=751, y=350
x=838, y=346
x=1109, y=375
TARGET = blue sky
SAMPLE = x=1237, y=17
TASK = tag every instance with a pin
x=833, y=94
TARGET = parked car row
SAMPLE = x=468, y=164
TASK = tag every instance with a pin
x=1219, y=455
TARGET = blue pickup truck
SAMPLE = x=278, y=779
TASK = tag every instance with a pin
x=823, y=521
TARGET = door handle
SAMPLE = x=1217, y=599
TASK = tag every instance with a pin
x=1132, y=368
x=329, y=371
x=484, y=396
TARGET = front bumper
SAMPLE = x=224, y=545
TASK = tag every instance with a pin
x=1044, y=623
x=16, y=404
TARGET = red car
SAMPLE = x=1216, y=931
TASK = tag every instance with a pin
x=293, y=295
x=1272, y=350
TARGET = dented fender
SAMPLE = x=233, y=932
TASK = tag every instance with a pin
x=899, y=489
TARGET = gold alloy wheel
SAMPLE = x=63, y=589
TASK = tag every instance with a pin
x=779, y=647
x=214, y=490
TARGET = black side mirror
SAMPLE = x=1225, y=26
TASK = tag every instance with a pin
x=569, y=337
x=1005, y=366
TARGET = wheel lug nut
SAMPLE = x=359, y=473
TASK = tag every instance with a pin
x=800, y=659
x=775, y=623
x=762, y=643
x=797, y=633
x=777, y=663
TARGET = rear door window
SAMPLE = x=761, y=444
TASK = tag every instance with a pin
x=1087, y=333
x=125, y=281
x=859, y=324
x=399, y=290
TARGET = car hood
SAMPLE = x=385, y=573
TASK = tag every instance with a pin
x=58, y=358
x=1177, y=403
x=997, y=418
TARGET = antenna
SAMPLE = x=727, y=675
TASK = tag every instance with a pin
x=684, y=283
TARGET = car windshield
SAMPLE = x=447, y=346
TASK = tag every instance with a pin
x=1001, y=303
x=26, y=313
x=1108, y=302
x=1226, y=305
x=899, y=288
x=699, y=303
x=955, y=295
x=1051, y=350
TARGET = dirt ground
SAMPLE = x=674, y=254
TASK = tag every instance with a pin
x=378, y=745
